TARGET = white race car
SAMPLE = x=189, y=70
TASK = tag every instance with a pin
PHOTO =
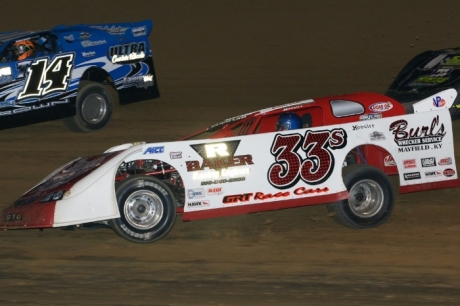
x=341, y=155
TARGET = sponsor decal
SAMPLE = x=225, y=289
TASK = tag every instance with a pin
x=214, y=190
x=261, y=196
x=220, y=164
x=222, y=180
x=88, y=54
x=428, y=162
x=31, y=108
x=175, y=155
x=439, y=102
x=142, y=81
x=85, y=35
x=127, y=53
x=389, y=161
x=381, y=107
x=448, y=172
x=139, y=31
x=409, y=163
x=412, y=176
x=89, y=43
x=290, y=167
x=445, y=161
x=154, y=150
x=433, y=173
x=362, y=126
x=217, y=159
x=306, y=191
x=195, y=193
x=111, y=30
x=198, y=204
x=370, y=116
x=69, y=38
x=376, y=135
x=418, y=138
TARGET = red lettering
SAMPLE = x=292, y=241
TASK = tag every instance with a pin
x=303, y=190
x=247, y=159
x=262, y=196
x=230, y=199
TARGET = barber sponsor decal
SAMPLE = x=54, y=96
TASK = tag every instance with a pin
x=219, y=164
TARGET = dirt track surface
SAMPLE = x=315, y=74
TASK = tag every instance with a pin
x=214, y=60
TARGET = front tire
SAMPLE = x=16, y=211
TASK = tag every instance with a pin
x=371, y=198
x=94, y=107
x=147, y=209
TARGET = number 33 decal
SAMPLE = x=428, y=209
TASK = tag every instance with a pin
x=44, y=78
x=318, y=165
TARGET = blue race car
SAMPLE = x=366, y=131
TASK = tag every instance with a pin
x=74, y=73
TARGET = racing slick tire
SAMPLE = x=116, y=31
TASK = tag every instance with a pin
x=147, y=209
x=371, y=198
x=94, y=107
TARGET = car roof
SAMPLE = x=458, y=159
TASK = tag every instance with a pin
x=334, y=113
x=16, y=35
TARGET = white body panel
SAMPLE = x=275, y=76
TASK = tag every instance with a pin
x=429, y=135
x=443, y=99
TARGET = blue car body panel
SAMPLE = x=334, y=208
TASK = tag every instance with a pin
x=45, y=85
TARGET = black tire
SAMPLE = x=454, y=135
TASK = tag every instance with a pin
x=147, y=209
x=94, y=107
x=371, y=199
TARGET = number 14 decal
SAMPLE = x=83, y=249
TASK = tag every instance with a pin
x=44, y=78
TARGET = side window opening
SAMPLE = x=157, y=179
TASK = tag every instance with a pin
x=345, y=108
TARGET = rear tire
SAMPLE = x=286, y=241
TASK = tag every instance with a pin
x=147, y=209
x=94, y=107
x=371, y=199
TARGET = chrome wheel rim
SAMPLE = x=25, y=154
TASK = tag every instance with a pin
x=143, y=209
x=93, y=108
x=366, y=198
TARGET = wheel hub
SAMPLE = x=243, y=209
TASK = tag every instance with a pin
x=94, y=108
x=366, y=198
x=143, y=209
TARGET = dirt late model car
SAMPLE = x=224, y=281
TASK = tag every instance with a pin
x=69, y=72
x=342, y=156
x=426, y=74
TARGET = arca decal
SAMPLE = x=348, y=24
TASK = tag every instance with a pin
x=289, y=167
